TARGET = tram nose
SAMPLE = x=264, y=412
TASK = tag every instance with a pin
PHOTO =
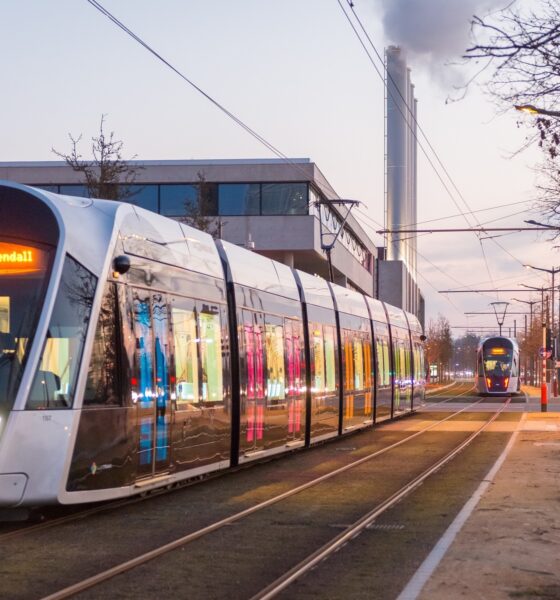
x=497, y=383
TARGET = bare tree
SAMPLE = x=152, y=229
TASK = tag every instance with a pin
x=439, y=345
x=108, y=175
x=465, y=351
x=200, y=213
x=522, y=48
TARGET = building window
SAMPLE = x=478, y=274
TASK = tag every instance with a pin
x=145, y=196
x=239, y=199
x=48, y=188
x=74, y=190
x=284, y=198
x=174, y=198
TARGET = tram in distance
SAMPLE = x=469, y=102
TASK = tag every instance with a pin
x=137, y=352
x=497, y=363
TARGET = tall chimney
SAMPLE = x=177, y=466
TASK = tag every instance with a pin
x=401, y=159
x=397, y=151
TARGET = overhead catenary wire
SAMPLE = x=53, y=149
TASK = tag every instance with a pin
x=406, y=120
x=471, y=212
x=261, y=139
x=434, y=266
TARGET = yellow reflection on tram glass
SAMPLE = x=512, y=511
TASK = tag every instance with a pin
x=16, y=259
x=4, y=314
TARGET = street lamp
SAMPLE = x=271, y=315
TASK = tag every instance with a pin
x=533, y=110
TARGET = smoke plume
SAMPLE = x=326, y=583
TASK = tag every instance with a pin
x=433, y=32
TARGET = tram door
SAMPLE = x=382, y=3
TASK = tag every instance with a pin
x=150, y=381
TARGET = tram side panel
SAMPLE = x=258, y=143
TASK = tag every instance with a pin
x=161, y=402
x=418, y=367
x=357, y=371
x=383, y=370
x=382, y=359
x=324, y=377
x=272, y=372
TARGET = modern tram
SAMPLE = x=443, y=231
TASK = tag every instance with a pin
x=498, y=367
x=137, y=352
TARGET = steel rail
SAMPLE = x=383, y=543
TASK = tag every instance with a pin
x=356, y=528
x=123, y=567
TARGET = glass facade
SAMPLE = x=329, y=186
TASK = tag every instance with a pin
x=239, y=199
x=145, y=196
x=232, y=199
x=175, y=199
x=284, y=199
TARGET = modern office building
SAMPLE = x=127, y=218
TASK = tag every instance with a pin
x=275, y=207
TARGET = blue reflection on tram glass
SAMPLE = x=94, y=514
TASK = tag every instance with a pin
x=161, y=329
x=143, y=340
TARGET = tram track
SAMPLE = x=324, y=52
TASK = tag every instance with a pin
x=81, y=514
x=368, y=519
x=99, y=578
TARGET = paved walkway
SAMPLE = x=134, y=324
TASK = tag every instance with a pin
x=509, y=546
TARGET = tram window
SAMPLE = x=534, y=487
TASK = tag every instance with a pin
x=330, y=363
x=358, y=356
x=254, y=352
x=4, y=314
x=318, y=348
x=274, y=344
x=185, y=341
x=142, y=380
x=197, y=340
x=383, y=365
x=323, y=364
x=53, y=386
x=160, y=318
x=102, y=382
x=211, y=353
x=367, y=364
x=348, y=361
x=293, y=335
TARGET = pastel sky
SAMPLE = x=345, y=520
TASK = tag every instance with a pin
x=295, y=72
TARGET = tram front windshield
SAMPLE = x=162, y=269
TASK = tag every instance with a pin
x=497, y=359
x=23, y=278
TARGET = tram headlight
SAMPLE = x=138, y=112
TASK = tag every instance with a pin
x=488, y=382
x=506, y=381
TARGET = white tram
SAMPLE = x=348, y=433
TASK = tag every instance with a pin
x=136, y=352
x=498, y=367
